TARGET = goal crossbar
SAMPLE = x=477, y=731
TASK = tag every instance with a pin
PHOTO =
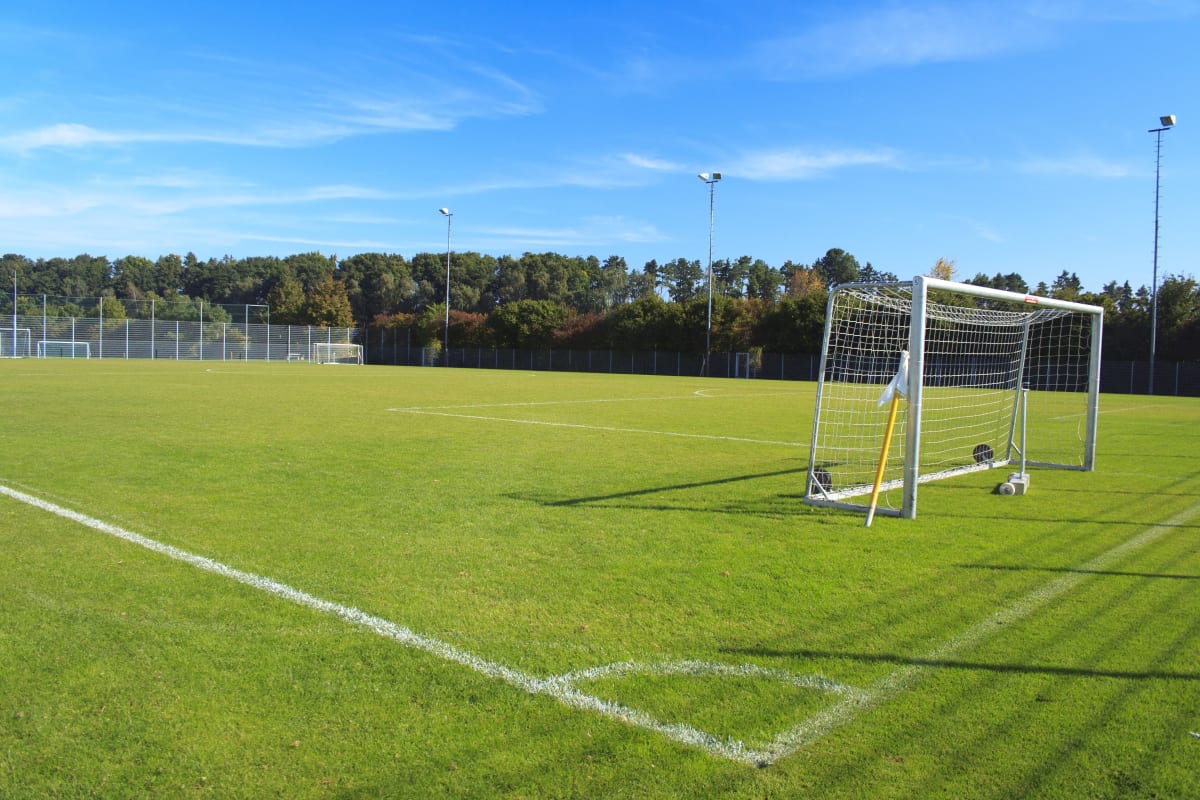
x=972, y=352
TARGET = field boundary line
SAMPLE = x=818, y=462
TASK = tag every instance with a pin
x=603, y=428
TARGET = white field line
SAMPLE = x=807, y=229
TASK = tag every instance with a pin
x=604, y=428
x=562, y=687
x=902, y=679
x=526, y=403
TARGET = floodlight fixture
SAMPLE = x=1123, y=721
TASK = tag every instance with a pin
x=444, y=211
x=1167, y=121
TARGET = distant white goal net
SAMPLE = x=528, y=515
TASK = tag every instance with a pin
x=16, y=343
x=337, y=353
x=47, y=348
x=973, y=352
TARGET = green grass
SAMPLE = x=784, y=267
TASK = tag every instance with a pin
x=553, y=523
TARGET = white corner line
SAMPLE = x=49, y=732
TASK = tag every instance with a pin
x=852, y=703
x=560, y=688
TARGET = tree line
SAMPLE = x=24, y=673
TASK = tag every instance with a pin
x=549, y=300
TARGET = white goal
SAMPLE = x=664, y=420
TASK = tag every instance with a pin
x=336, y=353
x=47, y=348
x=16, y=343
x=973, y=352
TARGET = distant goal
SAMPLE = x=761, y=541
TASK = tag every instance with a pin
x=973, y=352
x=16, y=343
x=334, y=353
x=47, y=348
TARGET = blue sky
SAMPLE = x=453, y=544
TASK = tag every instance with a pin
x=1009, y=136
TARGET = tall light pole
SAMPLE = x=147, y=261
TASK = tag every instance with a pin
x=446, y=350
x=711, y=180
x=1165, y=124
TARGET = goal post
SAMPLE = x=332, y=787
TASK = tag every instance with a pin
x=47, y=348
x=336, y=353
x=973, y=351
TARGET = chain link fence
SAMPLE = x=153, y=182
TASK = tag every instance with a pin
x=179, y=340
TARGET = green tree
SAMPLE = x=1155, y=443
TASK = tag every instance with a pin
x=796, y=324
x=287, y=302
x=133, y=277
x=310, y=268
x=168, y=275
x=763, y=282
x=683, y=279
x=1066, y=286
x=527, y=323
x=837, y=266
x=614, y=281
x=327, y=305
x=647, y=323
x=1178, y=312
x=376, y=284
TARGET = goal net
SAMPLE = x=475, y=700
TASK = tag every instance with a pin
x=16, y=343
x=973, y=352
x=335, y=353
x=64, y=349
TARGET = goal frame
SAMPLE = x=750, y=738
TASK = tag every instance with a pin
x=76, y=346
x=322, y=353
x=13, y=337
x=817, y=489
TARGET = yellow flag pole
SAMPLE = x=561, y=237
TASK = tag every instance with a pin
x=897, y=387
x=887, y=443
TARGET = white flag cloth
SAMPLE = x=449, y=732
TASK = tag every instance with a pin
x=898, y=384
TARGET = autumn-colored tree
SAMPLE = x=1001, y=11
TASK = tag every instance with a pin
x=944, y=269
x=805, y=282
x=328, y=305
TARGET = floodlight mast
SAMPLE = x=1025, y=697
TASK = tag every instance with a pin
x=1166, y=122
x=446, y=348
x=711, y=180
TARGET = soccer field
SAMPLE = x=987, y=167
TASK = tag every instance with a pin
x=261, y=580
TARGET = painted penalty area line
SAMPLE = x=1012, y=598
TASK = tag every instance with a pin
x=603, y=428
x=560, y=688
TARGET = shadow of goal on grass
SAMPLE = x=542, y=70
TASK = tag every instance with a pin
x=951, y=663
x=629, y=497
x=1076, y=571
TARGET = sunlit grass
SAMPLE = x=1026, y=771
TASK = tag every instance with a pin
x=555, y=523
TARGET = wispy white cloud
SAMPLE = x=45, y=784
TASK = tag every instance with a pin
x=286, y=104
x=136, y=200
x=915, y=32
x=651, y=163
x=1086, y=166
x=1112, y=10
x=588, y=232
x=902, y=35
x=788, y=164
